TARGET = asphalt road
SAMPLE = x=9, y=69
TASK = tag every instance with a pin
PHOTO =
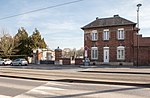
x=11, y=87
x=100, y=76
x=73, y=82
x=22, y=88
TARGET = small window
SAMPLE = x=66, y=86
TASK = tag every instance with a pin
x=120, y=53
x=94, y=53
x=120, y=34
x=106, y=34
x=94, y=35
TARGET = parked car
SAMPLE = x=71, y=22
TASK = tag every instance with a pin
x=7, y=61
x=19, y=61
x=1, y=61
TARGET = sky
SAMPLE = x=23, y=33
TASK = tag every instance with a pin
x=61, y=26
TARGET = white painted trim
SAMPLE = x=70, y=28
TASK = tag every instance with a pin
x=94, y=48
x=120, y=28
x=106, y=47
x=94, y=31
x=106, y=55
x=121, y=48
x=106, y=30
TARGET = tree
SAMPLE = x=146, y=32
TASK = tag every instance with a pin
x=6, y=44
x=37, y=41
x=72, y=53
x=66, y=53
x=22, y=42
x=80, y=52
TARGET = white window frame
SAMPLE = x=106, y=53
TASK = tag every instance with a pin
x=94, y=35
x=120, y=53
x=94, y=53
x=121, y=34
x=106, y=34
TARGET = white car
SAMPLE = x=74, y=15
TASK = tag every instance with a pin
x=20, y=62
x=1, y=61
x=7, y=61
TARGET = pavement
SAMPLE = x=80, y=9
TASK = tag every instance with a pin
x=90, y=68
x=80, y=74
x=76, y=81
x=51, y=66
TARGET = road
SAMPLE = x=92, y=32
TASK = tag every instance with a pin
x=128, y=77
x=21, y=82
x=11, y=87
x=23, y=88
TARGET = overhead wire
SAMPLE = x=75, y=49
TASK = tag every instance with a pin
x=36, y=10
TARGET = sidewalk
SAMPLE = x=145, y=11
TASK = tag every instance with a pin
x=90, y=68
x=114, y=76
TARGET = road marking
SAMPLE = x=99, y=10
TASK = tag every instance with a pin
x=4, y=96
x=24, y=96
x=48, y=88
x=16, y=86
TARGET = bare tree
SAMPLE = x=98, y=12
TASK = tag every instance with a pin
x=79, y=53
x=6, y=43
x=73, y=53
x=66, y=53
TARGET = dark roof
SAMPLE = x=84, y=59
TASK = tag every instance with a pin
x=112, y=21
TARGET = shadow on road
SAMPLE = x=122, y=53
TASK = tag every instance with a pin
x=96, y=92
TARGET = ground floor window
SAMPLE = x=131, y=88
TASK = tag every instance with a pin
x=94, y=53
x=120, y=53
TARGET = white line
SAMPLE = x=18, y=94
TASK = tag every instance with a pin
x=4, y=96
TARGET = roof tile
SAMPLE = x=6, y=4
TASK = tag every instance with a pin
x=112, y=21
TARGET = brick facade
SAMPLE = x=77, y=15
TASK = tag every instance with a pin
x=143, y=51
x=78, y=61
x=129, y=42
x=58, y=54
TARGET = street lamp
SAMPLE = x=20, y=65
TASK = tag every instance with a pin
x=138, y=6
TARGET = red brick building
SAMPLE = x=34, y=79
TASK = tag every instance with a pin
x=114, y=41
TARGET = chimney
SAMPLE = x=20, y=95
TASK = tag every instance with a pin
x=116, y=15
x=96, y=18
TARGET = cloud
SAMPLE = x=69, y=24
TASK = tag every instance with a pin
x=60, y=26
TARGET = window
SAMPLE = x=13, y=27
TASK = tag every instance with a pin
x=94, y=53
x=106, y=34
x=120, y=34
x=120, y=53
x=94, y=35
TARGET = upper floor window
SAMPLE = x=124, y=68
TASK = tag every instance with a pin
x=120, y=53
x=94, y=35
x=94, y=53
x=106, y=34
x=120, y=34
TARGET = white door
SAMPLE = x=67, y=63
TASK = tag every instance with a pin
x=106, y=55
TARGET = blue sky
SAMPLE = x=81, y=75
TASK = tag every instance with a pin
x=60, y=26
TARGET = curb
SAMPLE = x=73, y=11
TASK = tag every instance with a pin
x=145, y=73
x=145, y=85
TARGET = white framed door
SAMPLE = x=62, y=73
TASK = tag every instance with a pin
x=106, y=54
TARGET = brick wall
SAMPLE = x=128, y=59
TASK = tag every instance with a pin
x=143, y=51
x=66, y=61
x=113, y=43
x=143, y=55
x=58, y=54
x=78, y=61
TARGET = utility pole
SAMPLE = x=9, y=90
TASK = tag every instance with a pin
x=138, y=7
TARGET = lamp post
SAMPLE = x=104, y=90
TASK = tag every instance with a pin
x=138, y=7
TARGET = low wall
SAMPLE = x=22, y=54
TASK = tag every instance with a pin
x=78, y=61
x=46, y=62
x=113, y=63
x=66, y=61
